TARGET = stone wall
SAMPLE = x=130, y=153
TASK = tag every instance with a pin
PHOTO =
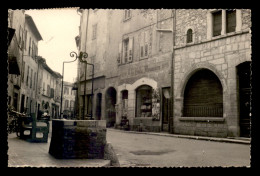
x=78, y=139
x=220, y=55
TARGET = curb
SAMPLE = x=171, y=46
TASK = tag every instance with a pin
x=215, y=139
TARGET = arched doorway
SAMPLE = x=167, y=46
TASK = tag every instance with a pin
x=203, y=95
x=110, y=106
x=98, y=106
x=244, y=76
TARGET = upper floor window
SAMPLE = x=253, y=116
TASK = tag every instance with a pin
x=217, y=23
x=25, y=39
x=223, y=22
x=126, y=48
x=127, y=14
x=231, y=21
x=144, y=44
x=94, y=32
x=189, y=36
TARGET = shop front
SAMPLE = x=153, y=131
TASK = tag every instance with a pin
x=139, y=104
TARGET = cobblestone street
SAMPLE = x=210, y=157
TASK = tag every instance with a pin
x=142, y=150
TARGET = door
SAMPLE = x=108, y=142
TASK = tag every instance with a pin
x=165, y=109
x=244, y=97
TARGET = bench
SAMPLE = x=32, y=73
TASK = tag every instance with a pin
x=38, y=129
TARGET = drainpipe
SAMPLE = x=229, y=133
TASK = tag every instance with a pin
x=172, y=70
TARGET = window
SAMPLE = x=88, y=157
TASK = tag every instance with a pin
x=25, y=39
x=125, y=50
x=48, y=90
x=71, y=104
x=20, y=36
x=224, y=21
x=66, y=103
x=231, y=21
x=127, y=55
x=31, y=77
x=34, y=85
x=144, y=44
x=30, y=46
x=127, y=14
x=217, y=23
x=144, y=101
x=189, y=36
x=94, y=32
x=27, y=76
x=23, y=70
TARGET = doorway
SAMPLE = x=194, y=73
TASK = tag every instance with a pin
x=244, y=75
x=165, y=109
x=110, y=106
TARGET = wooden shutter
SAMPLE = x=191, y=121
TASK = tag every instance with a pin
x=231, y=20
x=142, y=45
x=119, y=53
x=217, y=23
x=130, y=50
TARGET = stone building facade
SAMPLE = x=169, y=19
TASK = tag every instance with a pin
x=68, y=100
x=212, y=72
x=133, y=51
x=132, y=60
x=16, y=25
x=49, y=89
x=28, y=71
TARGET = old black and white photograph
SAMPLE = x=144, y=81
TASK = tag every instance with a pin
x=120, y=88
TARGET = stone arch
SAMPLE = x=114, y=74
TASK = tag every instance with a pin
x=144, y=81
x=203, y=95
x=179, y=96
x=194, y=69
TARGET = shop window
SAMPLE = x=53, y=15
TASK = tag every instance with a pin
x=124, y=102
x=144, y=101
x=203, y=96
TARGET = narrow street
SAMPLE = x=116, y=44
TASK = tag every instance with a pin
x=142, y=150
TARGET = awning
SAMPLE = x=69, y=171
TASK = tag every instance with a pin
x=13, y=66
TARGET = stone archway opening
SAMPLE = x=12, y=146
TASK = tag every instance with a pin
x=203, y=95
x=110, y=106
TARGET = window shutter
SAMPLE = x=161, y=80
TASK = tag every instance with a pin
x=119, y=53
x=142, y=45
x=130, y=51
x=231, y=20
x=146, y=42
x=217, y=23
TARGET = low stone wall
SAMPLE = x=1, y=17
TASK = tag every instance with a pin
x=78, y=139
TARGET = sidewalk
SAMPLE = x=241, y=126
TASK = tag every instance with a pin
x=238, y=140
x=26, y=154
